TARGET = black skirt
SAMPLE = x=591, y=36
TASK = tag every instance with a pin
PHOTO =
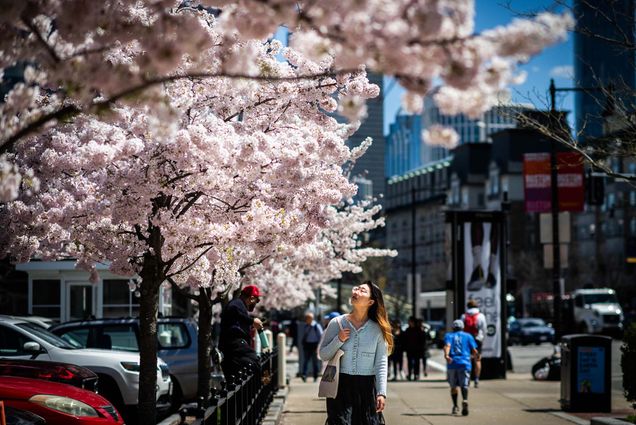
x=355, y=403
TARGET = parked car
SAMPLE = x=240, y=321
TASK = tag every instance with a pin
x=529, y=330
x=63, y=373
x=45, y=322
x=15, y=416
x=176, y=338
x=58, y=404
x=118, y=371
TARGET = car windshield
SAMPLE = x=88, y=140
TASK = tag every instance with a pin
x=600, y=299
x=49, y=337
x=532, y=323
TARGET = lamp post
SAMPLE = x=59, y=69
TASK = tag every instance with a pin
x=557, y=286
x=414, y=293
x=556, y=248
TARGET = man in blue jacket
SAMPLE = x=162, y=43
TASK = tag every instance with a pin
x=459, y=346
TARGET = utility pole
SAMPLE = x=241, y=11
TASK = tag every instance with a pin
x=413, y=256
x=556, y=248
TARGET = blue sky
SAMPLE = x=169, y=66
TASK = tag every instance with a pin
x=554, y=62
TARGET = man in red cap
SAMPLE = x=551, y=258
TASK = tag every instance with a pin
x=234, y=340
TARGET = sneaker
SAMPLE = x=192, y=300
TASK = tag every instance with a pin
x=476, y=279
x=304, y=378
x=464, y=408
x=476, y=384
x=455, y=410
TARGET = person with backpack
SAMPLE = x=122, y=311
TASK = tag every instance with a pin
x=311, y=339
x=475, y=324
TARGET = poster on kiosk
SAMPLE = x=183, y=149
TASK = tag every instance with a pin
x=482, y=279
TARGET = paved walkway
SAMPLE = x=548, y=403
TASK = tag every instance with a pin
x=517, y=400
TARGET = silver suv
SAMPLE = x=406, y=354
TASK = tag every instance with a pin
x=177, y=343
x=118, y=371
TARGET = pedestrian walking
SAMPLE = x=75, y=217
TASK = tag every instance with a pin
x=476, y=325
x=414, y=340
x=311, y=338
x=365, y=339
x=459, y=346
x=396, y=359
x=234, y=339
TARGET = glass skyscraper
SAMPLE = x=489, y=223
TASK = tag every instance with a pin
x=600, y=62
x=403, y=145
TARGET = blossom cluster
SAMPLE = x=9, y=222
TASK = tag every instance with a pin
x=212, y=184
x=85, y=57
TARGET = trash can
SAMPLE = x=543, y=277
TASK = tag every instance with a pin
x=586, y=373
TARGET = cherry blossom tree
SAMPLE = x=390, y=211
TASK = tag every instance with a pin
x=189, y=193
x=86, y=57
x=167, y=140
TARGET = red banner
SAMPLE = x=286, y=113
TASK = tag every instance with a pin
x=537, y=182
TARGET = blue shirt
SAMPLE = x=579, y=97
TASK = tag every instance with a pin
x=461, y=345
x=313, y=333
x=364, y=352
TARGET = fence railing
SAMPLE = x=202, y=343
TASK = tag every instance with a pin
x=243, y=401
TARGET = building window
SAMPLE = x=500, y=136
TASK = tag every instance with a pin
x=632, y=226
x=632, y=198
x=494, y=182
x=611, y=200
x=45, y=299
x=119, y=300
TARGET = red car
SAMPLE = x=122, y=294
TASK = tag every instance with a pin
x=63, y=373
x=58, y=404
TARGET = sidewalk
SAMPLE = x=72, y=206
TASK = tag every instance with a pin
x=517, y=400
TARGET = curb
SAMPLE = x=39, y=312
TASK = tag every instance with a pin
x=607, y=421
x=275, y=409
x=174, y=419
x=572, y=418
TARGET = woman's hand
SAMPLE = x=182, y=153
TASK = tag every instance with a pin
x=343, y=335
x=380, y=402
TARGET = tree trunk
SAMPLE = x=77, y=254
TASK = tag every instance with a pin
x=148, y=309
x=205, y=345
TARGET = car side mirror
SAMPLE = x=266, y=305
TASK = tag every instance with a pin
x=33, y=348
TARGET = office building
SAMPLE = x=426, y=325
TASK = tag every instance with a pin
x=600, y=63
x=403, y=145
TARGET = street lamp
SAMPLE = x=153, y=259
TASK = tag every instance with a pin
x=557, y=287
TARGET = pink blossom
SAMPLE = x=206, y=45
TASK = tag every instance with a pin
x=437, y=135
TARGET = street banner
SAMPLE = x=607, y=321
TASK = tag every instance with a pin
x=482, y=279
x=571, y=182
x=537, y=182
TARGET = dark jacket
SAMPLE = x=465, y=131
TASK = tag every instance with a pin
x=235, y=323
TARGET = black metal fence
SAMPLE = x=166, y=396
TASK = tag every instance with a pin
x=243, y=401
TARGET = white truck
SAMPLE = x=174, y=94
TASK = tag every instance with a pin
x=597, y=311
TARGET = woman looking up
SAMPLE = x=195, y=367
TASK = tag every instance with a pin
x=366, y=341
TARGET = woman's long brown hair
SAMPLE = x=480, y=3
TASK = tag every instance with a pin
x=377, y=313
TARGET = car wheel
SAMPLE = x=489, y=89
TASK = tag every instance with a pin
x=110, y=391
x=177, y=395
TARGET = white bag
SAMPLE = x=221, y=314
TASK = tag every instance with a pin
x=329, y=380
